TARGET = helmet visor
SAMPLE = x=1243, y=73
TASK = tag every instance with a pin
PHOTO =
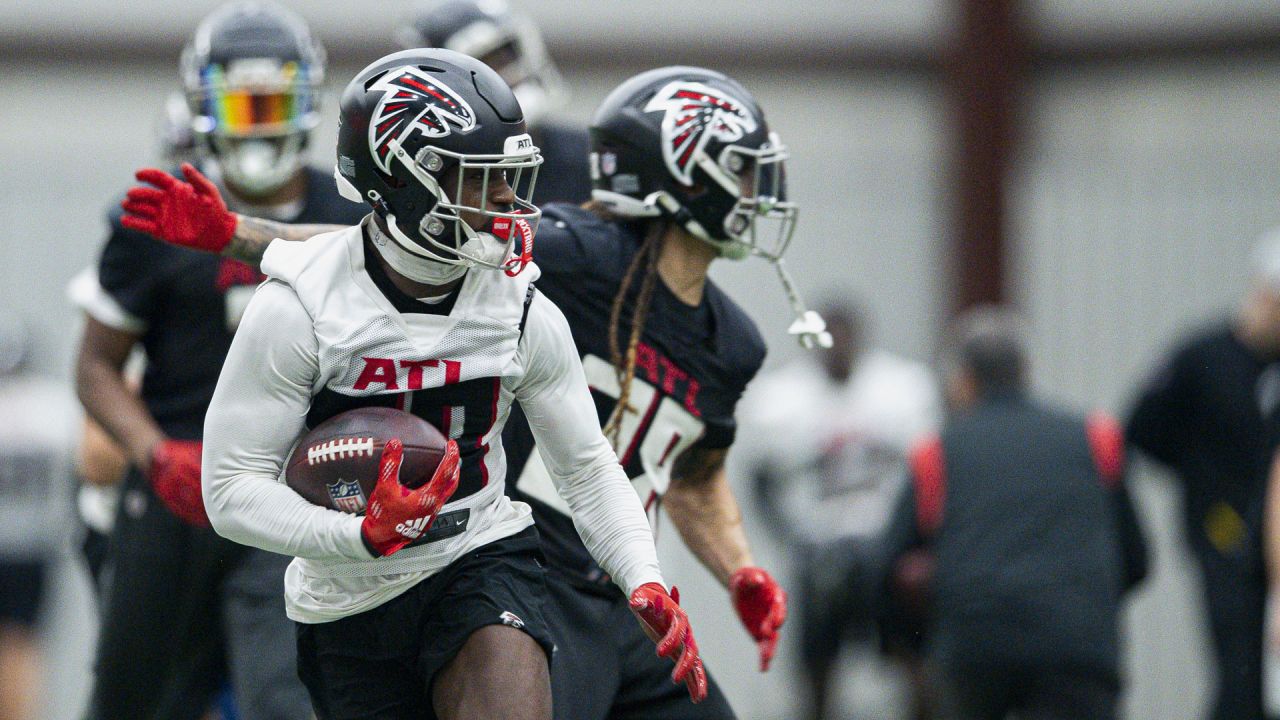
x=260, y=98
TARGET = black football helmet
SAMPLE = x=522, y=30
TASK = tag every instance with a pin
x=503, y=39
x=417, y=127
x=692, y=144
x=252, y=73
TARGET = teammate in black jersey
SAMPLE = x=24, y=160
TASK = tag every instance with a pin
x=510, y=43
x=184, y=608
x=686, y=170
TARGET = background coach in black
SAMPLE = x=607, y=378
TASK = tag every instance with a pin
x=1034, y=537
x=1210, y=415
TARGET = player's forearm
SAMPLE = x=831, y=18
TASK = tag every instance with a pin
x=257, y=412
x=253, y=235
x=583, y=466
x=707, y=516
x=101, y=461
x=106, y=397
x=611, y=522
x=254, y=509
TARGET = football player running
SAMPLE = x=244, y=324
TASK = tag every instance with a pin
x=428, y=306
x=184, y=610
x=685, y=171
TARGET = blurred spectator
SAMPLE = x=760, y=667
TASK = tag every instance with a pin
x=184, y=609
x=839, y=423
x=36, y=441
x=1025, y=510
x=1210, y=414
x=102, y=464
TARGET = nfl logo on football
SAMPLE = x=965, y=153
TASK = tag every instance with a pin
x=346, y=496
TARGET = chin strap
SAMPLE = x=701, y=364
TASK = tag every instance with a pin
x=410, y=264
x=808, y=327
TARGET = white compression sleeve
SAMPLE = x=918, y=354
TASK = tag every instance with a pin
x=258, y=410
x=556, y=400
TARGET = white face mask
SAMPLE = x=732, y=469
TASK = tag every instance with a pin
x=259, y=167
x=423, y=269
x=485, y=247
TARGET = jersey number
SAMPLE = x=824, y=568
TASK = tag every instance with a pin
x=652, y=435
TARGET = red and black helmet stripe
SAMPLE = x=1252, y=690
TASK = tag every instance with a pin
x=412, y=102
x=695, y=114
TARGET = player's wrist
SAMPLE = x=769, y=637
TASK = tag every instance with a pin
x=226, y=232
x=143, y=452
x=649, y=579
x=745, y=573
x=368, y=543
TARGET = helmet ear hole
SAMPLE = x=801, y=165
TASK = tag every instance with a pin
x=373, y=79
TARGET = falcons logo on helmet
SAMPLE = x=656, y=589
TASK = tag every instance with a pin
x=695, y=114
x=414, y=102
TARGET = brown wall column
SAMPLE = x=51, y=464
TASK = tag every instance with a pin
x=985, y=72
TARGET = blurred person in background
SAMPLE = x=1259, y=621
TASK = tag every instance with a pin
x=1025, y=509
x=37, y=440
x=506, y=41
x=102, y=464
x=1210, y=414
x=185, y=610
x=832, y=431
x=509, y=42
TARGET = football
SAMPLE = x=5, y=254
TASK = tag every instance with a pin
x=336, y=464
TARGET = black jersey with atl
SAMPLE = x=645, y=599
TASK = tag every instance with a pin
x=692, y=364
x=565, y=175
x=186, y=306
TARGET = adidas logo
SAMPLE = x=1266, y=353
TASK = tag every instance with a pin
x=413, y=529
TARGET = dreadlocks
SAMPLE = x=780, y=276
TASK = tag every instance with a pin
x=624, y=363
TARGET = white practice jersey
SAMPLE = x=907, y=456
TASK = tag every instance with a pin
x=841, y=447
x=37, y=443
x=322, y=336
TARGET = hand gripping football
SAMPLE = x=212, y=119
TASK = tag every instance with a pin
x=336, y=464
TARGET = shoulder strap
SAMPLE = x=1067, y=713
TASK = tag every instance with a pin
x=928, y=471
x=1106, y=444
x=524, y=316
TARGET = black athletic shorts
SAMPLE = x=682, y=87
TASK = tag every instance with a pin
x=381, y=663
x=21, y=588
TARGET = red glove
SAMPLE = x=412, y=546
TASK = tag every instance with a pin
x=397, y=515
x=668, y=626
x=175, y=478
x=190, y=214
x=762, y=605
